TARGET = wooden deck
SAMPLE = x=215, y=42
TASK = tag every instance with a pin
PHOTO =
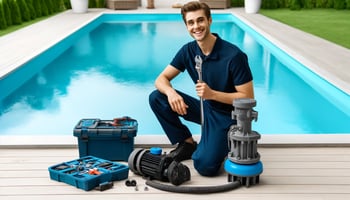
x=289, y=173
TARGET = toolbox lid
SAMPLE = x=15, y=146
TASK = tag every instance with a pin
x=123, y=127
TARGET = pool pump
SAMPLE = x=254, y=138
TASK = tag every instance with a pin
x=155, y=165
x=243, y=163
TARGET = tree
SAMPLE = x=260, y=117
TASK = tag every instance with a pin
x=30, y=6
x=49, y=6
x=270, y=4
x=3, y=24
x=7, y=12
x=92, y=4
x=37, y=8
x=22, y=4
x=295, y=5
x=15, y=12
x=321, y=3
x=339, y=4
x=44, y=8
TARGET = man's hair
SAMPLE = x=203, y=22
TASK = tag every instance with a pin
x=194, y=6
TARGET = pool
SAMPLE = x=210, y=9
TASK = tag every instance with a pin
x=66, y=84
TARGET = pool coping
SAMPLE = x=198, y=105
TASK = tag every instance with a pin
x=16, y=49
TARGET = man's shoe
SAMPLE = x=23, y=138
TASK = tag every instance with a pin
x=183, y=151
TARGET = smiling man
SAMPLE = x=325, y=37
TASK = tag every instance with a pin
x=226, y=76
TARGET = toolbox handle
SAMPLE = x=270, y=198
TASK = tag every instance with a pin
x=88, y=123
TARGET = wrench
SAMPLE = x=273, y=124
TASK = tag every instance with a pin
x=199, y=62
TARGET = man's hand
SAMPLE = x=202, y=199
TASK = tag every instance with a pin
x=177, y=103
x=203, y=90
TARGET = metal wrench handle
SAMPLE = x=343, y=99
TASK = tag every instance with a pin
x=199, y=62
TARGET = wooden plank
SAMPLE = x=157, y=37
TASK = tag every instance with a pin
x=23, y=170
x=221, y=196
x=309, y=158
x=277, y=158
x=305, y=151
x=121, y=189
x=197, y=181
x=307, y=165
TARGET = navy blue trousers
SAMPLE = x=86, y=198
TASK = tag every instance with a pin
x=213, y=146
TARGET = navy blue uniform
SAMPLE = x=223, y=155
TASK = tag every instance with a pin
x=225, y=67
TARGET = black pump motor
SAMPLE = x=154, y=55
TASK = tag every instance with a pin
x=155, y=165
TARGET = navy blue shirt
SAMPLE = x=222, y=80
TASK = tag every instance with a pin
x=225, y=67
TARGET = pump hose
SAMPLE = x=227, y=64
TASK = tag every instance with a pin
x=194, y=189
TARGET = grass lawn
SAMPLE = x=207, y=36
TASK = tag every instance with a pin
x=330, y=24
x=24, y=24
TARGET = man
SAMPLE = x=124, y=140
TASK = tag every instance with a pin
x=226, y=76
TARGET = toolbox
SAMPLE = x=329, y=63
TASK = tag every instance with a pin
x=107, y=139
x=88, y=172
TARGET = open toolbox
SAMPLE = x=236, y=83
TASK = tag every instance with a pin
x=88, y=172
x=107, y=139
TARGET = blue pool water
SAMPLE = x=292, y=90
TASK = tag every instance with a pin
x=107, y=69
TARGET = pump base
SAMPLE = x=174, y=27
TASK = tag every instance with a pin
x=246, y=174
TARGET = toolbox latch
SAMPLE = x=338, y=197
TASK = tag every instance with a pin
x=84, y=134
x=124, y=134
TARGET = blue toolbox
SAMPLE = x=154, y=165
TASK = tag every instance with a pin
x=89, y=172
x=107, y=139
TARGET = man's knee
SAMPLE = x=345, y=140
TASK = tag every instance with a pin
x=153, y=96
x=207, y=168
x=156, y=99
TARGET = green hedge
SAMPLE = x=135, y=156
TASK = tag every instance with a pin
x=305, y=4
x=15, y=12
x=298, y=4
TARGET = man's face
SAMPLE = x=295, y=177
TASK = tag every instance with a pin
x=198, y=25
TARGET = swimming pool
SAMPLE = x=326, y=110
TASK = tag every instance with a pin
x=44, y=101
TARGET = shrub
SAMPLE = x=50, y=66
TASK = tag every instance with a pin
x=92, y=3
x=22, y=4
x=295, y=5
x=31, y=9
x=49, y=6
x=339, y=4
x=15, y=12
x=37, y=8
x=330, y=4
x=270, y=4
x=237, y=3
x=3, y=24
x=321, y=3
x=309, y=4
x=7, y=12
x=101, y=3
x=67, y=4
x=283, y=3
x=44, y=9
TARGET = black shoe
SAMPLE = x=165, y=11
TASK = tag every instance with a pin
x=183, y=151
